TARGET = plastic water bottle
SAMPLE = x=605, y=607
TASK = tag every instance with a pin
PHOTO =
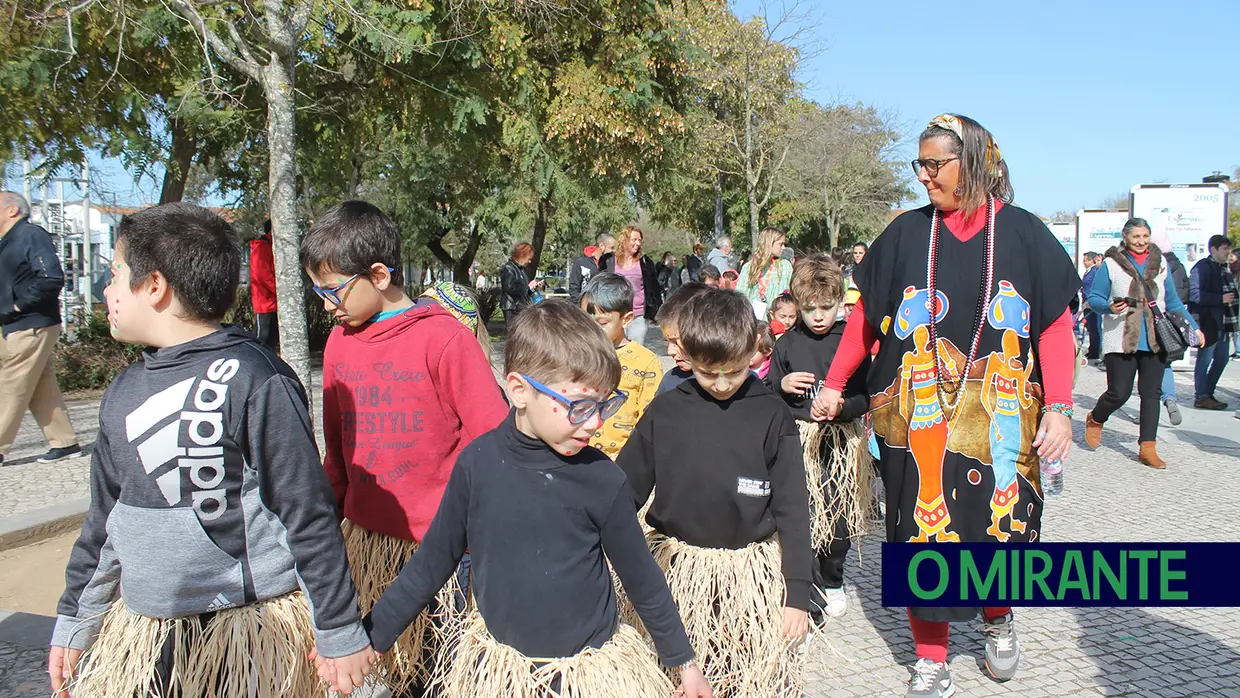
x=1052, y=477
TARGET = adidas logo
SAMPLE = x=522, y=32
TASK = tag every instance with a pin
x=219, y=603
x=202, y=458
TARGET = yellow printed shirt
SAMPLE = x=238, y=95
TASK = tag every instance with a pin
x=640, y=373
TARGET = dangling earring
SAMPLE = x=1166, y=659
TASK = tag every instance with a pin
x=958, y=191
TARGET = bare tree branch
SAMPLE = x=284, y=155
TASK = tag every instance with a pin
x=211, y=40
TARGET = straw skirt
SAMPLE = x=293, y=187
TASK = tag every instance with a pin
x=255, y=651
x=732, y=605
x=839, y=473
x=376, y=560
x=474, y=664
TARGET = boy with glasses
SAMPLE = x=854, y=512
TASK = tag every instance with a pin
x=539, y=509
x=405, y=388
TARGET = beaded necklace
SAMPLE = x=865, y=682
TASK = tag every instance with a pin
x=953, y=387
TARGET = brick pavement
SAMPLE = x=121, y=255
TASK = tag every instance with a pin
x=1067, y=652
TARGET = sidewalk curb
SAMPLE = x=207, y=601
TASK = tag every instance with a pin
x=39, y=524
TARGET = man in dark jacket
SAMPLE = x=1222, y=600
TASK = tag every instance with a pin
x=1212, y=301
x=586, y=265
x=30, y=283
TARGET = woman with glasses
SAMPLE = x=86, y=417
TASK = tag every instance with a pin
x=967, y=299
x=515, y=283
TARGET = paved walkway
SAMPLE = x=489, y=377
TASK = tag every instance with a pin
x=1067, y=652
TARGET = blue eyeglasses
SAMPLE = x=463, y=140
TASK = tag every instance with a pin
x=332, y=293
x=580, y=411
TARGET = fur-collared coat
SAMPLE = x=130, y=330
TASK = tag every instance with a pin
x=1122, y=333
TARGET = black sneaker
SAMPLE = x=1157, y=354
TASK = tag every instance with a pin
x=74, y=451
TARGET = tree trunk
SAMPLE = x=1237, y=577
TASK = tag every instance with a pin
x=466, y=260
x=176, y=173
x=718, y=205
x=282, y=200
x=540, y=234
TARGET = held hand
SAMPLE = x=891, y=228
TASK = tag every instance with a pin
x=797, y=382
x=796, y=626
x=1118, y=307
x=1054, y=439
x=61, y=665
x=351, y=671
x=828, y=403
x=693, y=683
x=325, y=667
x=1228, y=298
x=1201, y=338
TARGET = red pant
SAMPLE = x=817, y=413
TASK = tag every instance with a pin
x=931, y=636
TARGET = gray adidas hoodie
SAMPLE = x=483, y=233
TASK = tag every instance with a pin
x=207, y=493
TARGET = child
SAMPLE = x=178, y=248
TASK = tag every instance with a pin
x=730, y=511
x=539, y=508
x=761, y=362
x=851, y=296
x=405, y=388
x=729, y=279
x=709, y=275
x=668, y=325
x=210, y=560
x=783, y=314
x=608, y=298
x=837, y=459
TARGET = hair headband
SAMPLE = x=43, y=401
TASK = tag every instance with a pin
x=951, y=122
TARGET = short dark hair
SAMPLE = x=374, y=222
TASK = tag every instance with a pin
x=709, y=271
x=1217, y=241
x=554, y=342
x=351, y=237
x=669, y=312
x=862, y=245
x=718, y=327
x=608, y=293
x=192, y=247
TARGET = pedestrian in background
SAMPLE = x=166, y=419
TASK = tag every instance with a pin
x=1212, y=301
x=629, y=262
x=30, y=323
x=1179, y=277
x=263, y=289
x=515, y=283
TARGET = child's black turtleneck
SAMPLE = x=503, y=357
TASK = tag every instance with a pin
x=537, y=525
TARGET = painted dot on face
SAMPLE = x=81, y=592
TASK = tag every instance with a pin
x=555, y=410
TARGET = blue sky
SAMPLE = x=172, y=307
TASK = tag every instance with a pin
x=1085, y=98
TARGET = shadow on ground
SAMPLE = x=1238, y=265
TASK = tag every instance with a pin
x=1125, y=644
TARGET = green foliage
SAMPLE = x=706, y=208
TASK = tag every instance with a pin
x=91, y=359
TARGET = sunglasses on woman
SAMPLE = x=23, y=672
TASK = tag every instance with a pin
x=580, y=411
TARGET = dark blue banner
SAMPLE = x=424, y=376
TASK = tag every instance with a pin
x=1061, y=574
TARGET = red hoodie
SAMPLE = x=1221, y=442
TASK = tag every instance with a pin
x=401, y=398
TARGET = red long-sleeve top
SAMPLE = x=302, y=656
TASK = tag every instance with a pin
x=1056, y=349
x=262, y=275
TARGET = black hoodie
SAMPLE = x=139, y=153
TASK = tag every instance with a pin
x=207, y=493
x=725, y=474
x=799, y=349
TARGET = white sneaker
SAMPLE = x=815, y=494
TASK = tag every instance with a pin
x=837, y=602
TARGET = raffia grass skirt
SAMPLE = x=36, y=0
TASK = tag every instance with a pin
x=376, y=560
x=732, y=605
x=255, y=651
x=474, y=664
x=839, y=473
